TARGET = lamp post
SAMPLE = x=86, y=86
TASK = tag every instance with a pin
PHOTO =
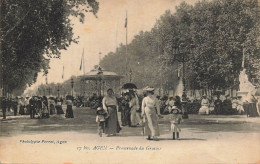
x=58, y=90
x=100, y=73
x=130, y=75
x=72, y=85
x=180, y=57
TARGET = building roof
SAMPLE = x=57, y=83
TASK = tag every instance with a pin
x=97, y=74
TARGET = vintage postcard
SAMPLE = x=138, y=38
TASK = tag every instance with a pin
x=129, y=81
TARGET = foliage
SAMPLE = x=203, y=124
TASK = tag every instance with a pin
x=32, y=32
x=209, y=38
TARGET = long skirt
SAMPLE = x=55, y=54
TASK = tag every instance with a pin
x=240, y=109
x=27, y=110
x=112, y=125
x=21, y=111
x=218, y=109
x=52, y=109
x=39, y=112
x=59, y=109
x=135, y=117
x=69, y=112
x=251, y=110
x=204, y=110
x=151, y=123
x=125, y=112
x=45, y=112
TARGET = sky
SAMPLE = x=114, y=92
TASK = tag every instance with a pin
x=104, y=33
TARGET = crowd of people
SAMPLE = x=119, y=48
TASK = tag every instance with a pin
x=211, y=105
x=36, y=106
x=142, y=110
x=132, y=114
x=136, y=110
x=230, y=106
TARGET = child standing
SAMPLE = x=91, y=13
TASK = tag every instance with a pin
x=176, y=118
x=100, y=119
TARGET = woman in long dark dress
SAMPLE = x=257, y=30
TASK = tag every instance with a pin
x=21, y=104
x=59, y=107
x=45, y=108
x=52, y=107
x=110, y=105
x=69, y=111
x=125, y=110
x=252, y=106
x=39, y=107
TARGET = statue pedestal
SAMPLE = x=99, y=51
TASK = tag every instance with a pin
x=243, y=95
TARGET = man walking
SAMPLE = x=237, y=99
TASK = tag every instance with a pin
x=32, y=105
x=15, y=105
x=3, y=106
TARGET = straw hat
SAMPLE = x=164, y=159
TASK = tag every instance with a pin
x=101, y=109
x=148, y=89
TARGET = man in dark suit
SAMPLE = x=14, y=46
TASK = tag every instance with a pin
x=227, y=105
x=32, y=106
x=15, y=105
x=218, y=105
x=4, y=106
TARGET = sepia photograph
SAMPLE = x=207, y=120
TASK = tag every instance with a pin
x=129, y=81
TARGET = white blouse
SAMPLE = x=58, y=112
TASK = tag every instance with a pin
x=107, y=101
x=150, y=102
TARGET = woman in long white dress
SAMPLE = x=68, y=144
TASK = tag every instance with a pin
x=151, y=113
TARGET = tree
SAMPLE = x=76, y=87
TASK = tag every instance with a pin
x=32, y=32
x=208, y=36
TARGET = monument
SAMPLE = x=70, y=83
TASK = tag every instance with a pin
x=245, y=86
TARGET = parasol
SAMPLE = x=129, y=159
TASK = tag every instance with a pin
x=129, y=86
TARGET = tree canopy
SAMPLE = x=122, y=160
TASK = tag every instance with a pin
x=32, y=32
x=209, y=37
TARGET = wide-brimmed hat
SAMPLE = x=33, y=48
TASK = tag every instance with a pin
x=100, y=109
x=176, y=111
x=148, y=89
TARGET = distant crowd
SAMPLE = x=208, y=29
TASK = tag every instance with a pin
x=212, y=105
x=36, y=106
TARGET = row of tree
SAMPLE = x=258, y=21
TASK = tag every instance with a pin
x=32, y=32
x=209, y=38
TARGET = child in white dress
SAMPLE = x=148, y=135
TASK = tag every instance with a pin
x=176, y=118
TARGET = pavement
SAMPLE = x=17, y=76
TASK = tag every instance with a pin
x=203, y=139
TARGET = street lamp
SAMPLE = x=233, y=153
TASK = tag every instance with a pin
x=58, y=90
x=100, y=73
x=179, y=55
x=130, y=75
x=72, y=85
